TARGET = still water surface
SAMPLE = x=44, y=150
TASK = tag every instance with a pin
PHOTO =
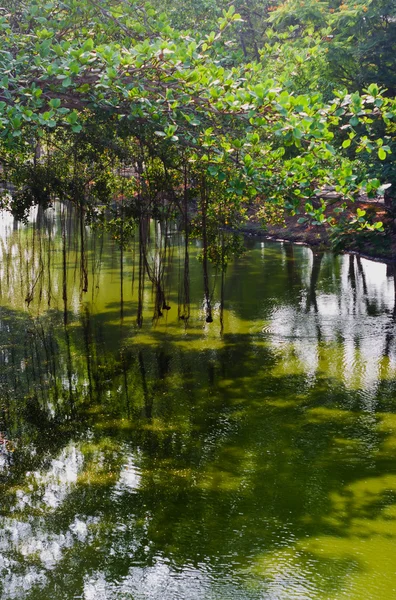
x=188, y=460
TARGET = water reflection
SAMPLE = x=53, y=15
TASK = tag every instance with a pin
x=176, y=458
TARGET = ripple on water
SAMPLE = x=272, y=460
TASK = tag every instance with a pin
x=130, y=476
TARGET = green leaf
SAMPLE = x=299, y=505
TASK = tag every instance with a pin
x=88, y=45
x=330, y=149
x=16, y=122
x=297, y=134
x=72, y=118
x=373, y=89
x=381, y=154
x=55, y=103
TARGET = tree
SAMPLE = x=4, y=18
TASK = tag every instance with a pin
x=88, y=87
x=359, y=36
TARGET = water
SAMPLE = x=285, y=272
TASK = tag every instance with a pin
x=249, y=458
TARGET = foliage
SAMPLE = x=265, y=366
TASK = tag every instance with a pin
x=88, y=89
x=359, y=37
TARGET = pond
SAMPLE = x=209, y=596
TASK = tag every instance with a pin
x=252, y=457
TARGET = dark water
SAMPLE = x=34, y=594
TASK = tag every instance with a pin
x=249, y=458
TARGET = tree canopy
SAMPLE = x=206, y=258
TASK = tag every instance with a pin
x=89, y=86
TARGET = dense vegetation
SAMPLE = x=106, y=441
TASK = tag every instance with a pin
x=195, y=112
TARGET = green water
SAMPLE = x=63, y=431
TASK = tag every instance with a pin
x=189, y=460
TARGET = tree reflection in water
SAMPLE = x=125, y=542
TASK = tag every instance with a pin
x=143, y=458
